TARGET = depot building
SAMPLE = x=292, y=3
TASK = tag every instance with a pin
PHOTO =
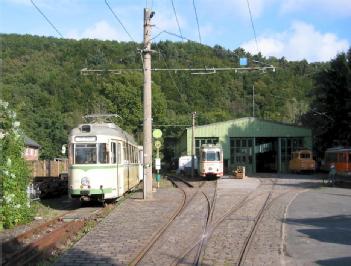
x=259, y=145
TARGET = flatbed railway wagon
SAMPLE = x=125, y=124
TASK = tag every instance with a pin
x=341, y=158
x=211, y=160
x=104, y=162
x=302, y=161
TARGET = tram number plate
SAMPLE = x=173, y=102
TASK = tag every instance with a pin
x=84, y=192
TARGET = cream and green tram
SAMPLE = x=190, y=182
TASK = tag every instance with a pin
x=104, y=162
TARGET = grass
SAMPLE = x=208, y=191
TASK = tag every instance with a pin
x=164, y=183
x=43, y=211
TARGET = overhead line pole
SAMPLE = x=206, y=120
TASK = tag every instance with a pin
x=253, y=100
x=147, y=106
x=193, y=114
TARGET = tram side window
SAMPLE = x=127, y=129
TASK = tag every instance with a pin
x=331, y=157
x=70, y=153
x=342, y=157
x=103, y=155
x=85, y=153
x=119, y=160
x=113, y=152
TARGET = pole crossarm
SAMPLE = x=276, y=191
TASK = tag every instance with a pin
x=101, y=115
x=196, y=71
x=213, y=70
x=171, y=125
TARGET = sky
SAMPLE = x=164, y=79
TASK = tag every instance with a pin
x=315, y=30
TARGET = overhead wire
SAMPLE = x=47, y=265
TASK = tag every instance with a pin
x=175, y=84
x=197, y=21
x=46, y=18
x=175, y=14
x=125, y=29
x=172, y=34
x=253, y=26
x=119, y=21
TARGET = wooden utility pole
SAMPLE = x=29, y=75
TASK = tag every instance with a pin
x=193, y=144
x=147, y=105
x=253, y=100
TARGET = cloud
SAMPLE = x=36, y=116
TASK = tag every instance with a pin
x=301, y=41
x=334, y=8
x=101, y=30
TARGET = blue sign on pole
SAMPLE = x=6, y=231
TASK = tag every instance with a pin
x=243, y=61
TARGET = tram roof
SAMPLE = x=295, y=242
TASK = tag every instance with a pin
x=102, y=129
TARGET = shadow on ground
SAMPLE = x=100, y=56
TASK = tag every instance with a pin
x=335, y=261
x=330, y=229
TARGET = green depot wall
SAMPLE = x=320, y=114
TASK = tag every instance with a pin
x=244, y=127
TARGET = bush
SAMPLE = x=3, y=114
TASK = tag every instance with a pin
x=14, y=173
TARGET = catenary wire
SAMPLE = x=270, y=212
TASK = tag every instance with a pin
x=119, y=21
x=170, y=75
x=252, y=24
x=197, y=21
x=46, y=18
x=175, y=14
x=174, y=34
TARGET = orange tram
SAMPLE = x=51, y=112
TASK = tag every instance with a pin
x=301, y=161
x=341, y=158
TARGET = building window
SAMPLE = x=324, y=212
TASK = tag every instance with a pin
x=241, y=150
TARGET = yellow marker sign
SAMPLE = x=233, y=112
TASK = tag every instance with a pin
x=157, y=133
x=158, y=144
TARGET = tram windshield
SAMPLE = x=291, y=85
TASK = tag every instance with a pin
x=305, y=156
x=211, y=156
x=91, y=153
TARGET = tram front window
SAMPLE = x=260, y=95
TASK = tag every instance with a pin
x=212, y=156
x=85, y=154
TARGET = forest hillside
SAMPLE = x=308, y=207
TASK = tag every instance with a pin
x=42, y=81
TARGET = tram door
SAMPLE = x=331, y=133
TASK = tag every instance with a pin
x=141, y=163
x=120, y=169
x=114, y=162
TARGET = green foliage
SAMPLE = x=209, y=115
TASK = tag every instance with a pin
x=42, y=80
x=330, y=115
x=15, y=206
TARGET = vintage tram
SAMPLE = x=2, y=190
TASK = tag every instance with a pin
x=302, y=161
x=211, y=160
x=104, y=162
x=341, y=158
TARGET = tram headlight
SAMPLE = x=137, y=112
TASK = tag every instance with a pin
x=85, y=181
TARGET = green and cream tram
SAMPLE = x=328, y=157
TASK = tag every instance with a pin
x=105, y=162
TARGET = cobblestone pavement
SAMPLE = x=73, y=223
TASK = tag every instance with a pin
x=185, y=228
x=226, y=243
x=127, y=229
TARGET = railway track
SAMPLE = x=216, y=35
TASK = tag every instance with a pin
x=193, y=250
x=181, y=184
x=189, y=193
x=210, y=210
x=40, y=242
x=201, y=242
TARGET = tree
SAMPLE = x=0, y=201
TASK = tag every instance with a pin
x=331, y=109
x=15, y=207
